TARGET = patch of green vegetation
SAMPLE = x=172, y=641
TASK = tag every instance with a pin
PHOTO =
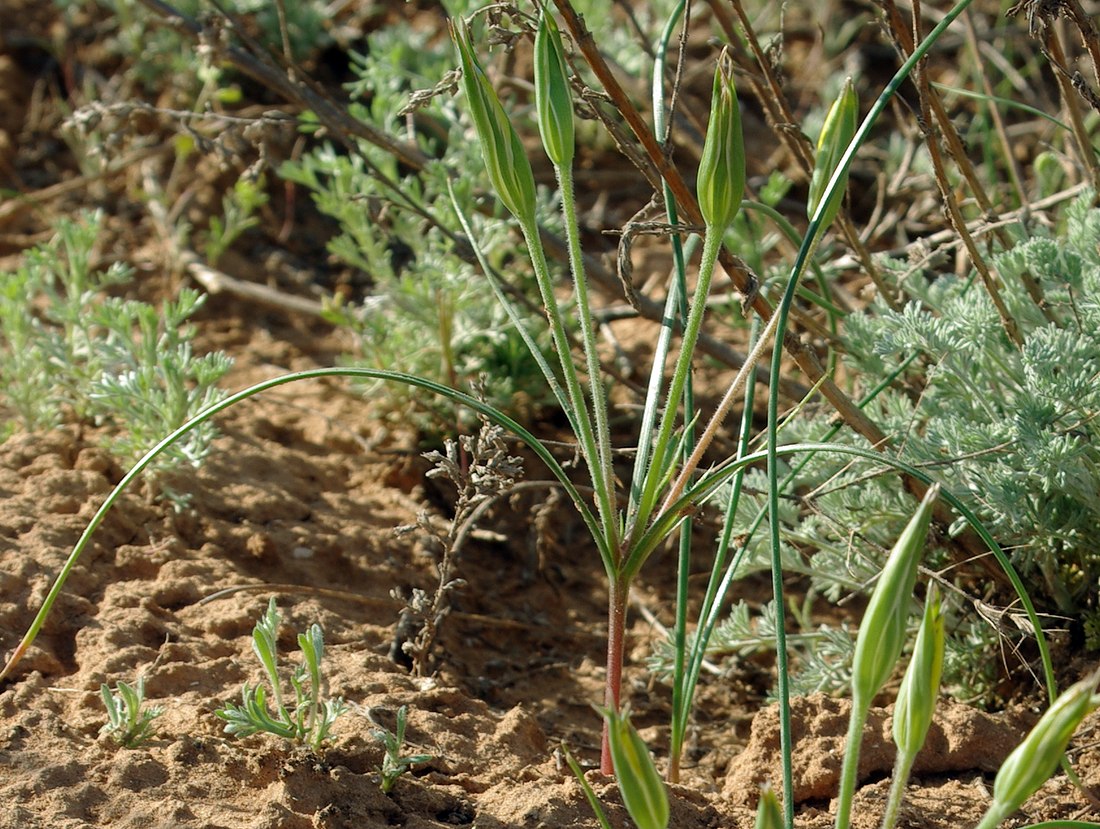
x=426, y=310
x=71, y=351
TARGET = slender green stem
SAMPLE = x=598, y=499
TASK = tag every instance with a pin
x=585, y=435
x=586, y=787
x=809, y=242
x=513, y=313
x=716, y=584
x=849, y=772
x=712, y=244
x=902, y=766
x=604, y=481
x=717, y=419
x=681, y=692
x=674, y=303
x=494, y=415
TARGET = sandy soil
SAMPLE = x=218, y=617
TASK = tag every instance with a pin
x=300, y=502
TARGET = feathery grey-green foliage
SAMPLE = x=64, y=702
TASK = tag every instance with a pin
x=425, y=309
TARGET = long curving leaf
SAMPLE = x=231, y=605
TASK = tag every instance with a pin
x=491, y=413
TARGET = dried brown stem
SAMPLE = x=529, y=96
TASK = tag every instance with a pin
x=932, y=106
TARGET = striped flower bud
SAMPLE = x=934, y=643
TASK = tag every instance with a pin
x=768, y=813
x=507, y=163
x=721, y=182
x=882, y=631
x=836, y=133
x=642, y=788
x=552, y=97
x=1034, y=760
x=920, y=686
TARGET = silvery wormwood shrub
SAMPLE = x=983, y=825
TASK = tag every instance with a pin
x=1011, y=430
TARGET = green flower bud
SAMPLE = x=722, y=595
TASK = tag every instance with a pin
x=552, y=97
x=768, y=813
x=507, y=163
x=721, y=181
x=642, y=788
x=920, y=686
x=1034, y=760
x=882, y=631
x=836, y=133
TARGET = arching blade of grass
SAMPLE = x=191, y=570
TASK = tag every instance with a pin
x=491, y=413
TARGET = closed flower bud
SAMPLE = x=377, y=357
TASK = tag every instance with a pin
x=1034, y=760
x=552, y=97
x=642, y=788
x=507, y=163
x=920, y=686
x=768, y=813
x=721, y=181
x=882, y=631
x=836, y=133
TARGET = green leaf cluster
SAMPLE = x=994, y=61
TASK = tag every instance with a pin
x=82, y=354
x=129, y=723
x=311, y=716
x=1011, y=428
x=394, y=762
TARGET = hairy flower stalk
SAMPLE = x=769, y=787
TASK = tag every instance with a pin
x=836, y=134
x=720, y=187
x=916, y=700
x=554, y=104
x=510, y=172
x=880, y=640
x=1034, y=760
x=501, y=145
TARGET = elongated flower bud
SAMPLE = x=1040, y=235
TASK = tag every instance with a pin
x=768, y=813
x=1034, y=760
x=882, y=631
x=642, y=788
x=836, y=133
x=721, y=181
x=552, y=97
x=507, y=163
x=920, y=686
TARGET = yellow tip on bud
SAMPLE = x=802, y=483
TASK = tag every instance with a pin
x=507, y=163
x=721, y=181
x=553, y=99
x=836, y=134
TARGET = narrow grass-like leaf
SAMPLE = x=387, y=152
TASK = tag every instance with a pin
x=491, y=413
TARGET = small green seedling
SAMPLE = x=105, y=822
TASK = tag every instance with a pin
x=127, y=723
x=394, y=763
x=311, y=717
